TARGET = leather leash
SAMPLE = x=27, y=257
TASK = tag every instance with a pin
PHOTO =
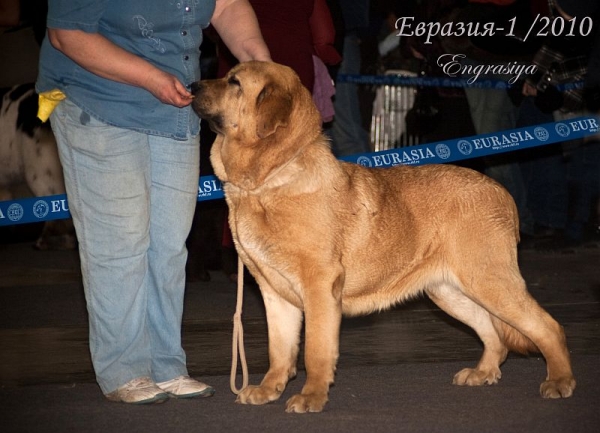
x=238, y=336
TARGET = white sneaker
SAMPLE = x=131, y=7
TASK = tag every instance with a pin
x=186, y=387
x=141, y=390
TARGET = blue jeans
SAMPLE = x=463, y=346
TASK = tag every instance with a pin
x=347, y=134
x=544, y=173
x=583, y=179
x=132, y=198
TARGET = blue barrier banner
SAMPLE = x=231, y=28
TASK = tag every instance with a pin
x=55, y=207
x=403, y=80
x=441, y=152
x=34, y=209
x=209, y=188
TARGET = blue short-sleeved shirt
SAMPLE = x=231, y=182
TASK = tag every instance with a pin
x=167, y=33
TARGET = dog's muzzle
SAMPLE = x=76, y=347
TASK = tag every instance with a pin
x=195, y=87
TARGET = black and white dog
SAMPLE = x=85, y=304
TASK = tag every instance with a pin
x=29, y=155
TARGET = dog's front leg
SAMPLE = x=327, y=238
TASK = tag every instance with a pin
x=323, y=316
x=284, y=323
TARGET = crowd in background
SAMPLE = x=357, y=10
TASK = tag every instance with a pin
x=554, y=186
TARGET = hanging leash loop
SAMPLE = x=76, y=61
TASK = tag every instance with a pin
x=238, y=336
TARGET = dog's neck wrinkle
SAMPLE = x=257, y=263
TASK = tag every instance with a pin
x=268, y=181
x=295, y=167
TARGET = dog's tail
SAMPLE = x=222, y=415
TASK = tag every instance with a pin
x=512, y=338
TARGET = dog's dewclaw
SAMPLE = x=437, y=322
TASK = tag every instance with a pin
x=47, y=102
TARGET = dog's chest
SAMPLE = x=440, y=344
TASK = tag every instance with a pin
x=254, y=226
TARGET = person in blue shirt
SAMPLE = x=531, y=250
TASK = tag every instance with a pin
x=129, y=146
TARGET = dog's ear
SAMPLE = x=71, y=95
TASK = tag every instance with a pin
x=273, y=109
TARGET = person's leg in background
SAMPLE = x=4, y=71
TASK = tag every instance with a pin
x=584, y=166
x=493, y=111
x=545, y=175
x=347, y=134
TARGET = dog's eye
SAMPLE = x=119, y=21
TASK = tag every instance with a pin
x=233, y=81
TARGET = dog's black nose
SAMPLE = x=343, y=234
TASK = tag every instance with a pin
x=194, y=87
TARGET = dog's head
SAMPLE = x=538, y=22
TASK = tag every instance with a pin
x=254, y=98
x=262, y=115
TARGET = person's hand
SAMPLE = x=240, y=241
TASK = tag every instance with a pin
x=168, y=89
x=529, y=90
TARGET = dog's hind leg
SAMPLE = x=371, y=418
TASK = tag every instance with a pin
x=456, y=304
x=284, y=326
x=523, y=325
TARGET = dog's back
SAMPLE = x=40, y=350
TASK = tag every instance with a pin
x=411, y=226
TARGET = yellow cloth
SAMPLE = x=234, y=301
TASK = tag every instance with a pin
x=47, y=102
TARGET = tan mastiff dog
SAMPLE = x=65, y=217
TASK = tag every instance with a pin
x=325, y=238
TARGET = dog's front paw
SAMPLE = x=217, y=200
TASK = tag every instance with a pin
x=302, y=403
x=561, y=388
x=254, y=394
x=475, y=377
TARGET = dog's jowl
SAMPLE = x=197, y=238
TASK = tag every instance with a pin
x=325, y=238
